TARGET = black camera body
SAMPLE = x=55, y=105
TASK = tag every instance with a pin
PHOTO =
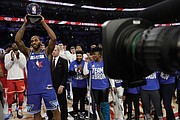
x=133, y=48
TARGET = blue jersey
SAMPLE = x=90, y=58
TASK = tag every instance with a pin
x=38, y=71
x=78, y=80
x=167, y=78
x=135, y=90
x=152, y=82
x=98, y=78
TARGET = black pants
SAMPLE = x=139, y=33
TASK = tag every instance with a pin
x=154, y=96
x=99, y=97
x=79, y=94
x=166, y=94
x=63, y=106
x=135, y=99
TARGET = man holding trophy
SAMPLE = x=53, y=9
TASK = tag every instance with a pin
x=38, y=66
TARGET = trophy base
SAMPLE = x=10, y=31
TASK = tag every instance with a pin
x=33, y=18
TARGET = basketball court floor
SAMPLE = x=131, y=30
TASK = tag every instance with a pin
x=43, y=113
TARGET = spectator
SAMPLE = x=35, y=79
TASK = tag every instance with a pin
x=150, y=91
x=167, y=87
x=100, y=84
x=132, y=95
x=79, y=84
x=15, y=62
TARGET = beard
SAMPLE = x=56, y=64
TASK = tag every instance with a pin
x=79, y=60
x=36, y=47
x=15, y=49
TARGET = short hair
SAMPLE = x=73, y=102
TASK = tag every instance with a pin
x=78, y=45
x=72, y=47
x=58, y=48
x=37, y=37
x=79, y=52
x=97, y=49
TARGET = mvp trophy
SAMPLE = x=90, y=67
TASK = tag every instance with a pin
x=33, y=13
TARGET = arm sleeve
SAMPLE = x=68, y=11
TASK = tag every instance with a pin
x=65, y=73
x=22, y=61
x=8, y=62
x=85, y=69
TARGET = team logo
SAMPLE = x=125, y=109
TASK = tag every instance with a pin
x=34, y=12
x=34, y=9
x=39, y=64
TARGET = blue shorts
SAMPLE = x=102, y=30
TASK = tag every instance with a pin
x=34, y=101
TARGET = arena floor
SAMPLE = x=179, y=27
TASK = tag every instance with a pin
x=30, y=117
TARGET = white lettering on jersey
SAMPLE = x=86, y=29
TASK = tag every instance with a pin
x=37, y=57
x=164, y=76
x=152, y=76
x=97, y=73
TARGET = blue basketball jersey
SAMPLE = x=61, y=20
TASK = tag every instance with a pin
x=39, y=74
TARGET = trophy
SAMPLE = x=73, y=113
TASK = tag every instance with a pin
x=34, y=13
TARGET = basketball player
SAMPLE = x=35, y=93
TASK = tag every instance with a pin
x=38, y=71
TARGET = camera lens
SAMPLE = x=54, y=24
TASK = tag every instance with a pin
x=159, y=49
x=132, y=49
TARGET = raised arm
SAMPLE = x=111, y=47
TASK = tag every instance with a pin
x=52, y=41
x=18, y=39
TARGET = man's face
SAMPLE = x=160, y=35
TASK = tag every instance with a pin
x=78, y=48
x=93, y=46
x=35, y=42
x=79, y=57
x=14, y=46
x=55, y=52
x=60, y=46
x=73, y=51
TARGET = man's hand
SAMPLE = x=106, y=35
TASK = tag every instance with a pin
x=25, y=19
x=79, y=68
x=42, y=19
x=60, y=89
x=114, y=89
x=17, y=55
x=12, y=56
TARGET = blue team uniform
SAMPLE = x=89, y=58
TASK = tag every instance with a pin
x=167, y=78
x=152, y=82
x=40, y=83
x=135, y=90
x=99, y=80
x=78, y=80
